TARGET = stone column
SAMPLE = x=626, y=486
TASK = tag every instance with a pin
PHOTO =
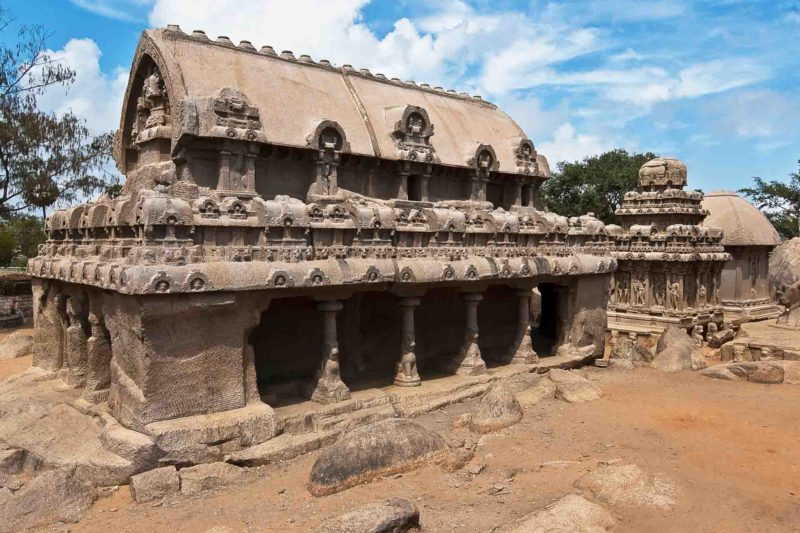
x=406, y=374
x=98, y=355
x=513, y=193
x=402, y=184
x=522, y=352
x=75, y=346
x=48, y=332
x=224, y=183
x=469, y=361
x=423, y=186
x=328, y=386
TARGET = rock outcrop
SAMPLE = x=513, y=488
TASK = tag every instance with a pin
x=392, y=516
x=382, y=448
x=676, y=351
x=497, y=409
x=756, y=371
x=570, y=513
x=18, y=344
x=209, y=476
x=627, y=485
x=155, y=484
x=53, y=496
x=572, y=387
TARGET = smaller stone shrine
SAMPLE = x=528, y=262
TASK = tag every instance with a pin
x=670, y=264
x=750, y=238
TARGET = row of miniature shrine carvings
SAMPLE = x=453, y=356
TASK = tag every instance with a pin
x=674, y=290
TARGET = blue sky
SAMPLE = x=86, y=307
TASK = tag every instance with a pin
x=713, y=82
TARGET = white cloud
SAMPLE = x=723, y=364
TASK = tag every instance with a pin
x=129, y=10
x=755, y=113
x=568, y=145
x=95, y=96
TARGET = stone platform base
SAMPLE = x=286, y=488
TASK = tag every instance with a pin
x=740, y=314
x=763, y=341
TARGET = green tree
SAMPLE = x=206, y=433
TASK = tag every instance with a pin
x=779, y=201
x=596, y=184
x=20, y=238
x=44, y=158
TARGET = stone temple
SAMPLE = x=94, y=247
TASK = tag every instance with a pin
x=289, y=230
x=750, y=238
x=670, y=265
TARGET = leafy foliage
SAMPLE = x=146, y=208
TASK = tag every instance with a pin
x=779, y=201
x=44, y=158
x=597, y=184
x=20, y=238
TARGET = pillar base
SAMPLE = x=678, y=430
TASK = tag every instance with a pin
x=326, y=393
x=402, y=380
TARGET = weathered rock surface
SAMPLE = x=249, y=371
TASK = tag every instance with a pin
x=40, y=418
x=721, y=337
x=572, y=387
x=393, y=516
x=769, y=372
x=53, y=496
x=572, y=513
x=497, y=409
x=364, y=453
x=155, y=484
x=791, y=371
x=208, y=476
x=627, y=485
x=543, y=388
x=627, y=350
x=18, y=344
x=587, y=336
x=676, y=351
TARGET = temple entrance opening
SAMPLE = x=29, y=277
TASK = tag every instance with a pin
x=287, y=348
x=547, y=326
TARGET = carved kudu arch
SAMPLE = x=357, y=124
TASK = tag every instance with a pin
x=147, y=60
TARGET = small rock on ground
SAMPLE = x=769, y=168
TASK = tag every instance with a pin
x=572, y=387
x=382, y=448
x=769, y=372
x=155, y=484
x=497, y=409
x=627, y=485
x=393, y=516
x=18, y=344
x=572, y=513
x=209, y=476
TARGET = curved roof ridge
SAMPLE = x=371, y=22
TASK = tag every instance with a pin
x=288, y=55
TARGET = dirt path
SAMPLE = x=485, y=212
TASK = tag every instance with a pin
x=731, y=449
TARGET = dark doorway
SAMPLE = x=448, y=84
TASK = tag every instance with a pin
x=546, y=330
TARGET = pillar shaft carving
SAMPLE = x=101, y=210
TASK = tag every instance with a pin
x=406, y=374
x=469, y=361
x=522, y=351
x=328, y=386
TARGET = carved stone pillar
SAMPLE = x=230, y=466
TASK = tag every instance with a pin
x=469, y=361
x=402, y=184
x=75, y=346
x=328, y=386
x=224, y=183
x=249, y=177
x=406, y=374
x=522, y=352
x=423, y=186
x=98, y=355
x=48, y=334
x=513, y=193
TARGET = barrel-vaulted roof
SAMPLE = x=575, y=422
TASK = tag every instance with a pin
x=294, y=95
x=742, y=222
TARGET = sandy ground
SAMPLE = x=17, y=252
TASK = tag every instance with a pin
x=731, y=449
